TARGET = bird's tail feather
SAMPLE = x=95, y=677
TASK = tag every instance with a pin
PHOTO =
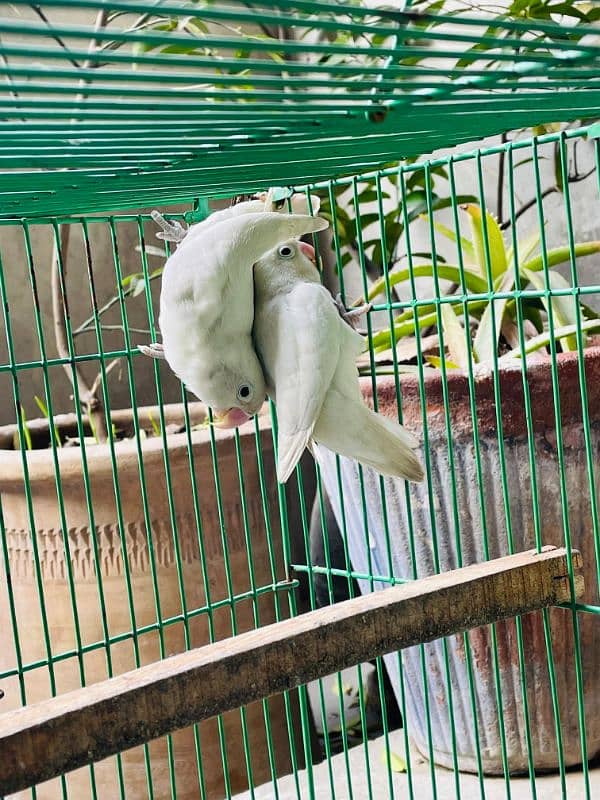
x=389, y=448
x=354, y=431
x=289, y=452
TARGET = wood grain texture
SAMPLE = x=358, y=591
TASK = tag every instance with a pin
x=44, y=740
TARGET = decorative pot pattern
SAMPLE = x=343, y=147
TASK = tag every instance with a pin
x=134, y=545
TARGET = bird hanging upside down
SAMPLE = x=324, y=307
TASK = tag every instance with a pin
x=207, y=305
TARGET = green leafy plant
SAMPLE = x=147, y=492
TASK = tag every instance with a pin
x=381, y=252
x=44, y=409
x=488, y=266
x=26, y=432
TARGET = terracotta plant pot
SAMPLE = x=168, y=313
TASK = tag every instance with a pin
x=132, y=542
x=438, y=525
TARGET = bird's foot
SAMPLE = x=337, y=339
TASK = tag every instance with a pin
x=270, y=204
x=353, y=315
x=172, y=230
x=267, y=199
x=154, y=349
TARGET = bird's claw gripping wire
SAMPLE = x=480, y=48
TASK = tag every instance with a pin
x=353, y=315
x=153, y=350
x=172, y=230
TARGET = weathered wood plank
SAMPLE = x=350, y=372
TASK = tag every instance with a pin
x=44, y=740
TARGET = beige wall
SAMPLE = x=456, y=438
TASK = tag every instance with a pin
x=23, y=323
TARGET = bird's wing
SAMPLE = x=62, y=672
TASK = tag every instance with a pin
x=307, y=340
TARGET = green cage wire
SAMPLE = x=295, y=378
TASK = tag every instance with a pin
x=132, y=529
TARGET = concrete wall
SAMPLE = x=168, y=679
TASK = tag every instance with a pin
x=23, y=322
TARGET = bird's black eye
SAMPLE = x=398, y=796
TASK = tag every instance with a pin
x=244, y=391
x=285, y=251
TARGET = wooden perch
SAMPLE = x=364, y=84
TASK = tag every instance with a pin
x=44, y=740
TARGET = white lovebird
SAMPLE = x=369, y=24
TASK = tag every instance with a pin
x=309, y=356
x=207, y=306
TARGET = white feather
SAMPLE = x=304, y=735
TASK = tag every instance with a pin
x=308, y=355
x=207, y=302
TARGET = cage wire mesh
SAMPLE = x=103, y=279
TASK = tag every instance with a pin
x=171, y=534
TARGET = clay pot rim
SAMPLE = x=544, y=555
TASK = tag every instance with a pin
x=456, y=378
x=40, y=461
x=515, y=422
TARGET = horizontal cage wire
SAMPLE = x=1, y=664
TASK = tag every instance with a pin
x=173, y=534
x=132, y=103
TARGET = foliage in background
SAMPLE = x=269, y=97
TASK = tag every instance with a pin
x=491, y=327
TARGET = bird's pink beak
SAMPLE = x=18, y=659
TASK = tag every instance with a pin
x=309, y=251
x=231, y=418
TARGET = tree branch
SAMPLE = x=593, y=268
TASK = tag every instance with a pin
x=60, y=309
x=36, y=8
x=530, y=203
x=60, y=313
x=92, y=328
x=87, y=323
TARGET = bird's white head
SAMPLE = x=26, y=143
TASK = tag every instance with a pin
x=236, y=388
x=284, y=265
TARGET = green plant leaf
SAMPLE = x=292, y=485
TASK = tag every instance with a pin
x=454, y=337
x=558, y=178
x=561, y=255
x=137, y=286
x=395, y=762
x=447, y=272
x=465, y=245
x=403, y=369
x=438, y=203
x=26, y=432
x=44, y=409
x=42, y=406
x=368, y=219
x=382, y=340
x=496, y=244
x=525, y=161
x=93, y=429
x=485, y=343
x=526, y=247
x=128, y=279
x=588, y=312
x=370, y=195
x=151, y=250
x=543, y=340
x=563, y=308
x=533, y=314
x=426, y=254
x=404, y=324
x=436, y=362
x=154, y=423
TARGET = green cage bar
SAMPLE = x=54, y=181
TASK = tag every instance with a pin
x=456, y=157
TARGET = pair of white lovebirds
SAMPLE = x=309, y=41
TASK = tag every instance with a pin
x=243, y=314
